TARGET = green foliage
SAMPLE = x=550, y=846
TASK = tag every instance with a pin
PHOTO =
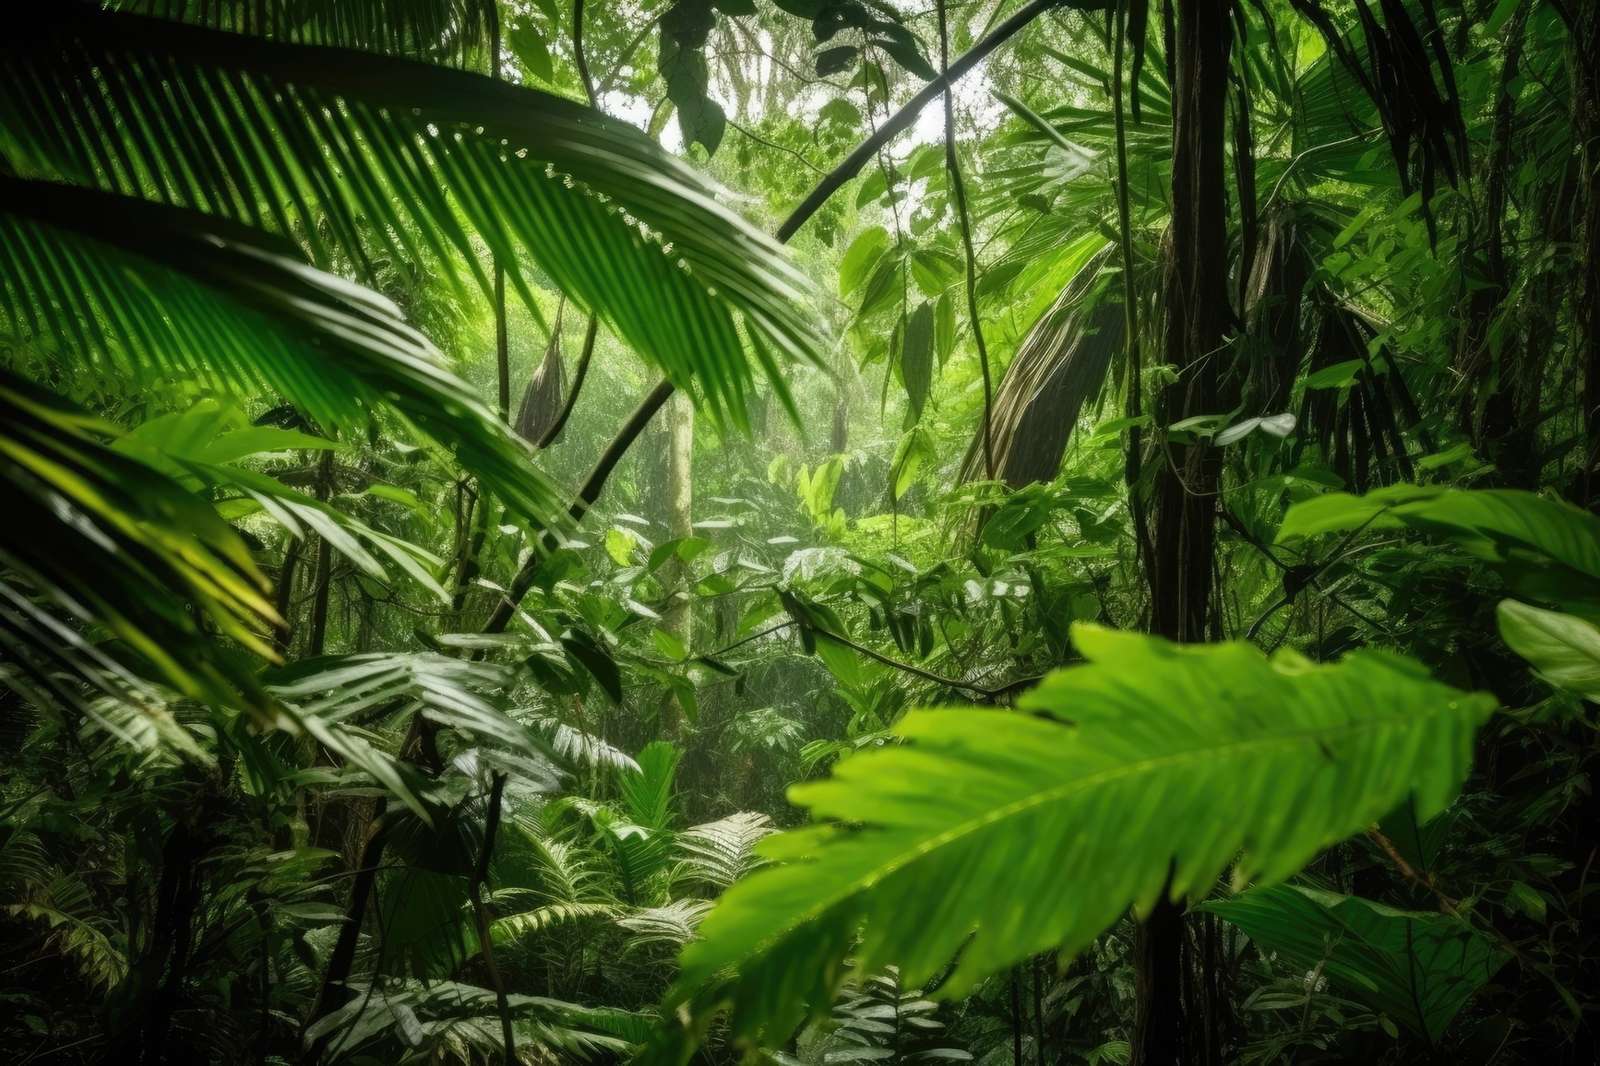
x=1418, y=968
x=1142, y=774
x=1563, y=648
x=108, y=540
x=415, y=150
x=264, y=775
x=880, y=1021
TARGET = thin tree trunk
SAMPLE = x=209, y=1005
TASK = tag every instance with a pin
x=480, y=916
x=678, y=617
x=1016, y=1016
x=1493, y=426
x=324, y=577
x=1586, y=122
x=333, y=994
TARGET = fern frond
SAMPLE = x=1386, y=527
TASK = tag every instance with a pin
x=721, y=852
x=516, y=926
x=672, y=924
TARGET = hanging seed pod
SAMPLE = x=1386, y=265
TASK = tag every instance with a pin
x=1061, y=364
x=541, y=400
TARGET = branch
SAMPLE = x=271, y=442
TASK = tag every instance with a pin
x=903, y=118
x=989, y=691
x=577, y=54
x=592, y=487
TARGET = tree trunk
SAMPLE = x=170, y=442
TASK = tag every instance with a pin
x=1493, y=426
x=1586, y=123
x=679, y=617
x=324, y=575
x=1197, y=316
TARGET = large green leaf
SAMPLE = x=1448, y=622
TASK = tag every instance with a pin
x=1546, y=549
x=156, y=290
x=1564, y=648
x=1148, y=770
x=1418, y=968
x=389, y=157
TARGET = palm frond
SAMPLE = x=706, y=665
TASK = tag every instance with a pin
x=672, y=924
x=98, y=538
x=648, y=793
x=331, y=697
x=394, y=155
x=452, y=1018
x=148, y=288
x=202, y=448
x=441, y=31
x=1042, y=828
x=583, y=749
x=514, y=927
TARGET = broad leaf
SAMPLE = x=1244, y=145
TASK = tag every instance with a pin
x=1546, y=549
x=1564, y=648
x=1146, y=771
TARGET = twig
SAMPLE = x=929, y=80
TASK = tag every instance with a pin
x=903, y=118
x=990, y=691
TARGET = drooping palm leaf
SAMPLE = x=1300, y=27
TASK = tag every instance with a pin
x=442, y=31
x=201, y=447
x=150, y=289
x=1143, y=773
x=98, y=538
x=395, y=155
x=1061, y=364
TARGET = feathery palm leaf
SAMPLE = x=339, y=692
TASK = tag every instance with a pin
x=443, y=31
x=148, y=287
x=721, y=852
x=672, y=924
x=107, y=541
x=395, y=154
x=1268, y=761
